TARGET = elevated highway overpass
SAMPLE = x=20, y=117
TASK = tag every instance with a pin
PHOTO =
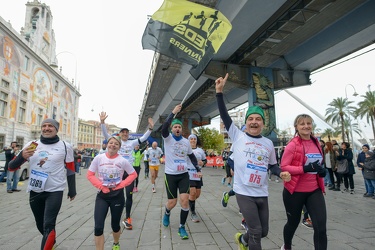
x=292, y=38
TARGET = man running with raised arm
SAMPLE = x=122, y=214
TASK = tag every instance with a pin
x=154, y=154
x=253, y=155
x=177, y=150
x=125, y=151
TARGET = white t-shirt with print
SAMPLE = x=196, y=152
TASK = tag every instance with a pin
x=251, y=159
x=47, y=166
x=193, y=173
x=154, y=155
x=110, y=170
x=176, y=155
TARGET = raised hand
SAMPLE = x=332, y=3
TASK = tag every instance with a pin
x=220, y=82
x=150, y=123
x=103, y=115
x=177, y=109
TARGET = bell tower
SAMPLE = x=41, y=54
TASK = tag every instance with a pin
x=38, y=30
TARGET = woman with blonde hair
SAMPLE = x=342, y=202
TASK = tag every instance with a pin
x=303, y=158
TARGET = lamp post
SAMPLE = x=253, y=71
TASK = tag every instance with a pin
x=54, y=63
x=349, y=116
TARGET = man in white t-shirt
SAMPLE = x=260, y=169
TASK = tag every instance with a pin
x=154, y=154
x=254, y=155
x=177, y=151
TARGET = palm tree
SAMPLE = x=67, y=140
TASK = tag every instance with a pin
x=327, y=133
x=349, y=126
x=367, y=108
x=339, y=109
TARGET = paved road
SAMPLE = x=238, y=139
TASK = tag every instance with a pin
x=351, y=220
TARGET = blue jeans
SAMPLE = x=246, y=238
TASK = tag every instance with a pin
x=371, y=186
x=366, y=185
x=2, y=176
x=15, y=175
x=327, y=179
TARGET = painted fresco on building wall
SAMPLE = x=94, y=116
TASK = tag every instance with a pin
x=41, y=88
x=8, y=55
x=261, y=81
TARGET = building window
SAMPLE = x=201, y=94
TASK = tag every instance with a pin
x=4, y=84
x=23, y=94
x=57, y=86
x=3, y=102
x=2, y=140
x=64, y=126
x=54, y=113
x=39, y=117
x=22, y=111
x=26, y=63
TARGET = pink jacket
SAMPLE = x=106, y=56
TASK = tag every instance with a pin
x=296, y=166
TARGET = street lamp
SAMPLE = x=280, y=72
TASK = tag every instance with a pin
x=54, y=63
x=349, y=118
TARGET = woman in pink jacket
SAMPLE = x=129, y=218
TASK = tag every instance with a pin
x=302, y=158
x=109, y=168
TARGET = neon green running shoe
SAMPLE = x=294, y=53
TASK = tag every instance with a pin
x=237, y=239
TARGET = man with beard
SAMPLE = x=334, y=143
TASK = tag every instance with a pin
x=177, y=150
x=254, y=155
x=49, y=159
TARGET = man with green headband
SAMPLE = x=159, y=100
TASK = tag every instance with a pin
x=177, y=150
x=254, y=155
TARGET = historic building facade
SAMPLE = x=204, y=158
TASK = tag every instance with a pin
x=31, y=87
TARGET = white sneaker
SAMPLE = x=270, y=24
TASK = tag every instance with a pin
x=282, y=247
x=153, y=190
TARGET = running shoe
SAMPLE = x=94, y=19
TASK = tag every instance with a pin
x=166, y=219
x=134, y=189
x=307, y=223
x=225, y=199
x=194, y=217
x=128, y=223
x=244, y=225
x=237, y=239
x=277, y=180
x=182, y=233
x=229, y=185
x=351, y=191
x=153, y=190
x=116, y=246
x=223, y=180
x=345, y=190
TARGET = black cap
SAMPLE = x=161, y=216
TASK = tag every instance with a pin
x=124, y=129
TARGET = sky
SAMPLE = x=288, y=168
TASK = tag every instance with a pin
x=103, y=39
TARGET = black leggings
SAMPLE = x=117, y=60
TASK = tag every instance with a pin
x=316, y=206
x=45, y=207
x=137, y=169
x=256, y=214
x=147, y=168
x=115, y=202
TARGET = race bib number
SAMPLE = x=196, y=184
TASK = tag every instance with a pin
x=111, y=180
x=255, y=176
x=154, y=161
x=193, y=174
x=180, y=165
x=37, y=181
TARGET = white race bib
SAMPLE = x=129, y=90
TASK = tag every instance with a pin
x=255, y=176
x=154, y=161
x=37, y=181
x=180, y=165
x=193, y=174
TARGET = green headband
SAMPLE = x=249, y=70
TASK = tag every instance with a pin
x=255, y=110
x=176, y=121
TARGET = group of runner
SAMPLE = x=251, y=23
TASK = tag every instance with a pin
x=113, y=171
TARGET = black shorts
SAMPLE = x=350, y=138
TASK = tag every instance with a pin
x=174, y=182
x=227, y=170
x=196, y=184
